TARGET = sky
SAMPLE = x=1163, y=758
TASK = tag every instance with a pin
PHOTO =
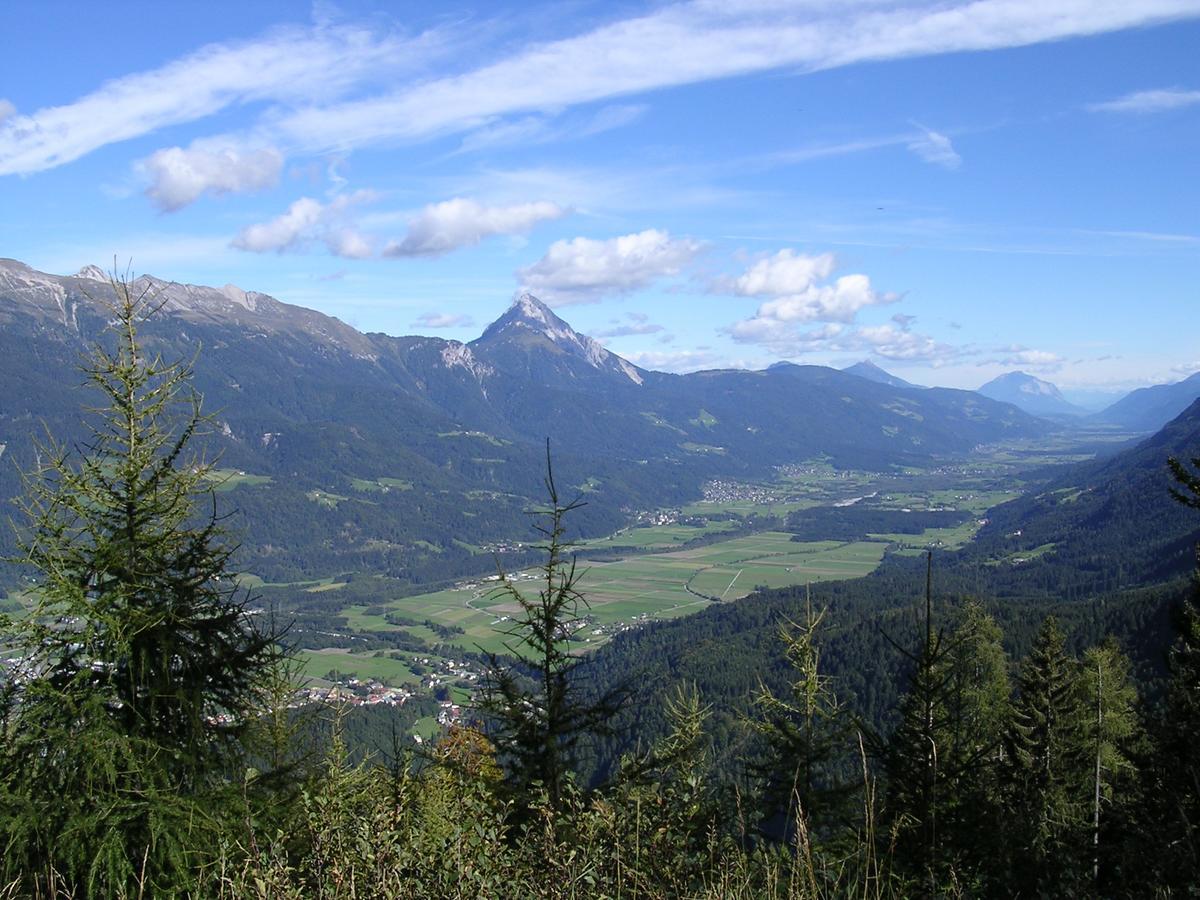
x=951, y=190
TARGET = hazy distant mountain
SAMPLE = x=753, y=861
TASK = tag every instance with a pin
x=868, y=370
x=1035, y=396
x=403, y=454
x=1148, y=409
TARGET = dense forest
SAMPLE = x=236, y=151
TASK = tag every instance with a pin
x=908, y=740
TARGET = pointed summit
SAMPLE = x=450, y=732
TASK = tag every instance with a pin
x=1030, y=393
x=530, y=326
x=93, y=273
x=868, y=370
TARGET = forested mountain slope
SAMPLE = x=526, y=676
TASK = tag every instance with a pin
x=411, y=455
x=1104, y=547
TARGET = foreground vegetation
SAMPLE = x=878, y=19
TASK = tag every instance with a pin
x=149, y=749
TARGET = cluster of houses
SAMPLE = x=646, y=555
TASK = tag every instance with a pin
x=352, y=692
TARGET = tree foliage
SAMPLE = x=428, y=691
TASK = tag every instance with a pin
x=534, y=703
x=139, y=661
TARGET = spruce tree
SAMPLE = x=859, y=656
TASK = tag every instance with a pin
x=977, y=711
x=1046, y=772
x=913, y=757
x=807, y=735
x=535, y=702
x=140, y=665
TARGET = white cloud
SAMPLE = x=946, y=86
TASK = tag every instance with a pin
x=837, y=302
x=677, y=360
x=685, y=43
x=443, y=320
x=442, y=227
x=583, y=269
x=7, y=110
x=793, y=282
x=787, y=272
x=935, y=148
x=893, y=340
x=348, y=243
x=1041, y=360
x=301, y=75
x=286, y=66
x=1149, y=101
x=540, y=129
x=305, y=221
x=178, y=176
x=283, y=232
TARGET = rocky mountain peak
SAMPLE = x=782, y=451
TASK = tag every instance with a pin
x=529, y=319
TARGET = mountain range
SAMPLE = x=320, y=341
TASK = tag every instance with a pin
x=411, y=455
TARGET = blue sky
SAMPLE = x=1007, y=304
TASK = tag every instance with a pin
x=952, y=190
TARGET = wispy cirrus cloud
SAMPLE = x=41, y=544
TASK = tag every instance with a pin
x=583, y=270
x=1145, y=102
x=301, y=77
x=635, y=324
x=452, y=224
x=1026, y=357
x=443, y=320
x=284, y=68
x=935, y=148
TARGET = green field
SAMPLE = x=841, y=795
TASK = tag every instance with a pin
x=228, y=479
x=658, y=536
x=633, y=590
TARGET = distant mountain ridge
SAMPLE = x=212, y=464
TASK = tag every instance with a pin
x=868, y=370
x=1032, y=394
x=1150, y=408
x=325, y=412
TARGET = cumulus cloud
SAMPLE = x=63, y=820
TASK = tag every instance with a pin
x=785, y=329
x=179, y=176
x=798, y=294
x=1154, y=101
x=583, y=270
x=934, y=147
x=306, y=221
x=442, y=320
x=6, y=110
x=787, y=272
x=442, y=227
x=283, y=232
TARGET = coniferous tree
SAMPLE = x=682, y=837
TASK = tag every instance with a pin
x=1046, y=772
x=808, y=736
x=914, y=755
x=978, y=708
x=536, y=707
x=140, y=665
x=1110, y=731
